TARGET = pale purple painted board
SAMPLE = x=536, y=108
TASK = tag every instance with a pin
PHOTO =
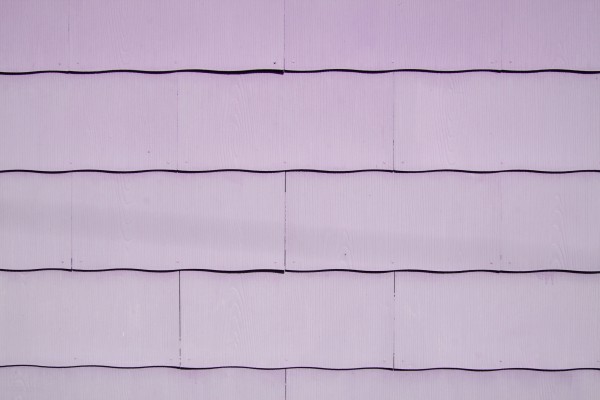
x=484, y=121
x=35, y=131
x=145, y=384
x=338, y=121
x=442, y=35
x=230, y=121
x=257, y=121
x=323, y=121
x=34, y=34
x=116, y=318
x=469, y=121
x=335, y=320
x=551, y=34
x=113, y=121
x=443, y=221
x=382, y=221
x=124, y=121
x=550, y=221
x=339, y=34
x=224, y=221
x=387, y=34
x=482, y=320
x=35, y=221
x=456, y=385
x=167, y=35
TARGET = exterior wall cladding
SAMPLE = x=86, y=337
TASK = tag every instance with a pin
x=300, y=199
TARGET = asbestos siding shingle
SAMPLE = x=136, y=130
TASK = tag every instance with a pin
x=443, y=221
x=34, y=35
x=485, y=321
x=230, y=35
x=487, y=121
x=35, y=221
x=59, y=318
x=442, y=384
x=165, y=221
x=442, y=35
x=97, y=35
x=112, y=121
x=281, y=122
x=333, y=121
x=330, y=320
x=144, y=384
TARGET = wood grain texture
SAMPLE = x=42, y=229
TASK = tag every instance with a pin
x=146, y=384
x=335, y=320
x=388, y=34
x=486, y=121
x=226, y=35
x=280, y=122
x=338, y=121
x=34, y=34
x=196, y=121
x=481, y=320
x=35, y=221
x=59, y=318
x=110, y=34
x=230, y=121
x=551, y=222
x=215, y=34
x=456, y=385
x=115, y=121
x=443, y=221
x=224, y=221
x=542, y=33
x=332, y=121
x=449, y=35
x=35, y=130
x=380, y=221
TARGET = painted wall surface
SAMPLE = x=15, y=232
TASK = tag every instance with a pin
x=300, y=199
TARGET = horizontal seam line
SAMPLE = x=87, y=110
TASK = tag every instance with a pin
x=308, y=271
x=307, y=170
x=302, y=71
x=301, y=367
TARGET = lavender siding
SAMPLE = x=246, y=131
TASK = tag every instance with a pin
x=158, y=35
x=58, y=318
x=232, y=35
x=227, y=84
x=410, y=121
x=372, y=221
x=443, y=221
x=147, y=384
x=35, y=221
x=275, y=122
x=158, y=221
x=447, y=35
x=486, y=321
x=278, y=321
x=486, y=121
x=451, y=385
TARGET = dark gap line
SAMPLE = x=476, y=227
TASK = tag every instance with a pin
x=285, y=384
x=460, y=271
x=301, y=367
x=302, y=170
x=156, y=271
x=311, y=271
x=301, y=71
x=147, y=72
